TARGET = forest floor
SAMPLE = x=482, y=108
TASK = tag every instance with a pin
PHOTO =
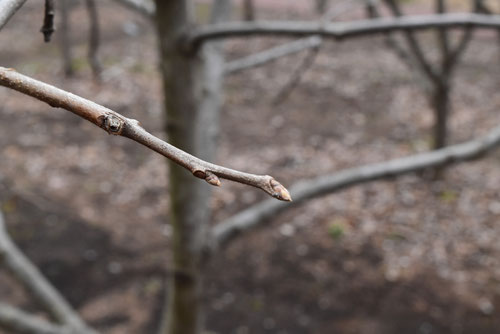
x=406, y=255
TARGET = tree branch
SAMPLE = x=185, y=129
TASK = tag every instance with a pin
x=7, y=9
x=311, y=42
x=48, y=21
x=389, y=40
x=338, y=30
x=414, y=45
x=322, y=185
x=38, y=286
x=116, y=124
x=263, y=57
x=16, y=320
x=146, y=8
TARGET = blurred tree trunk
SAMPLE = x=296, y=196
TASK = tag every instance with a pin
x=248, y=10
x=64, y=38
x=321, y=6
x=192, y=89
x=440, y=102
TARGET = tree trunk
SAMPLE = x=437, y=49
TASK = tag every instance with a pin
x=248, y=10
x=64, y=39
x=440, y=102
x=192, y=86
x=321, y=6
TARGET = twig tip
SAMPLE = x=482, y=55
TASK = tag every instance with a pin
x=280, y=192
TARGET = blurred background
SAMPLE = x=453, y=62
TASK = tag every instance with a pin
x=405, y=255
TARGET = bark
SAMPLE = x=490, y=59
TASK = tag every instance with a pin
x=192, y=108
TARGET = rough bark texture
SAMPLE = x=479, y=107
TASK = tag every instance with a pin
x=192, y=91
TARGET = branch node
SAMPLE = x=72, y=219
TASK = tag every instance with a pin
x=113, y=124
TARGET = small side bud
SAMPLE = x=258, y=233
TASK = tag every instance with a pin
x=212, y=179
x=280, y=192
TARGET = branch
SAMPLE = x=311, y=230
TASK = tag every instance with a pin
x=48, y=21
x=19, y=321
x=38, y=286
x=323, y=185
x=389, y=40
x=263, y=57
x=414, y=45
x=117, y=124
x=7, y=9
x=271, y=54
x=338, y=30
x=146, y=8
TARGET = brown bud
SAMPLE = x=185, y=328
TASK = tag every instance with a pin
x=212, y=179
x=280, y=192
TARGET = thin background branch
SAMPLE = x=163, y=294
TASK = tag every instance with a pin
x=338, y=30
x=36, y=284
x=327, y=184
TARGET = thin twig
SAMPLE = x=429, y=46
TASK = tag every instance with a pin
x=323, y=185
x=7, y=9
x=37, y=285
x=308, y=60
x=48, y=21
x=296, y=77
x=117, y=124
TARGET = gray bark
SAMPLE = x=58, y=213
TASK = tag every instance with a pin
x=192, y=108
x=7, y=9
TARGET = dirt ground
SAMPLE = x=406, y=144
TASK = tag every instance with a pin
x=407, y=255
